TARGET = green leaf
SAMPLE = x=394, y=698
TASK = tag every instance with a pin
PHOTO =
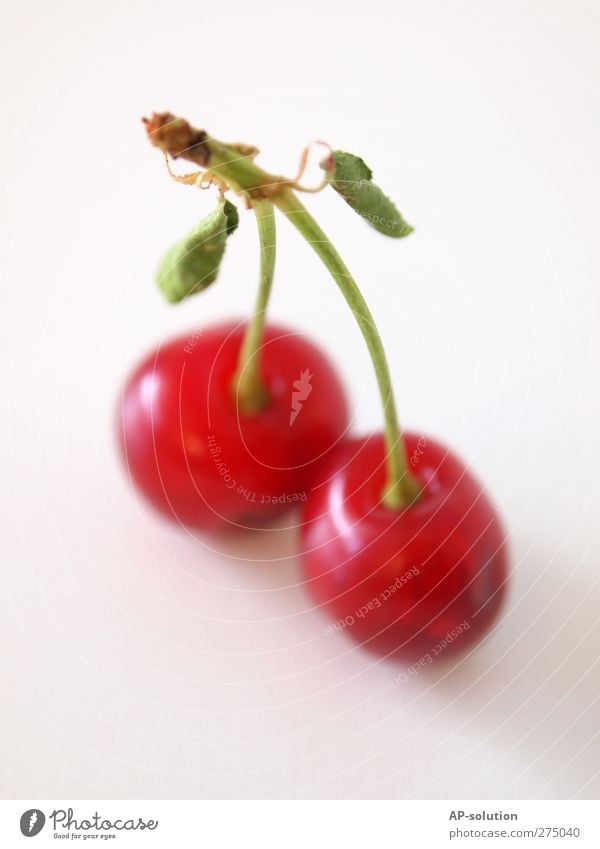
x=351, y=178
x=192, y=264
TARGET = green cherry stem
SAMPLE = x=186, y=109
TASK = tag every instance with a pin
x=247, y=382
x=234, y=164
x=401, y=487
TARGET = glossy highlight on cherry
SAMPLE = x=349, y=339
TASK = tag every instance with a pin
x=204, y=462
x=426, y=578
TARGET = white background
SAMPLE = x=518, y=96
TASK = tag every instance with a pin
x=140, y=661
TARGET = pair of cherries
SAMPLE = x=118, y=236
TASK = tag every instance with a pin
x=399, y=542
x=411, y=581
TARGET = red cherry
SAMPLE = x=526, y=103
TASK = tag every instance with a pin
x=198, y=458
x=416, y=582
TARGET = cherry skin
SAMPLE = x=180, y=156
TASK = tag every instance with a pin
x=202, y=461
x=417, y=582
